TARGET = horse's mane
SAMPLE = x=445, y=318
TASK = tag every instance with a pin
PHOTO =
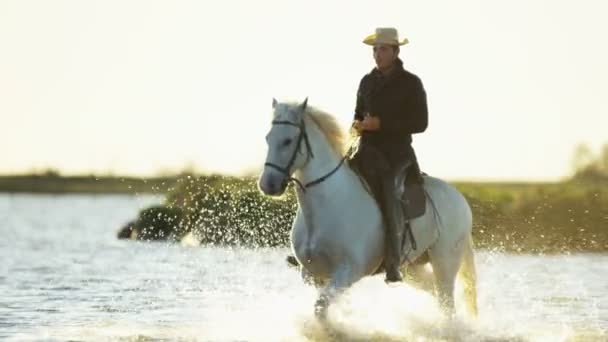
x=328, y=124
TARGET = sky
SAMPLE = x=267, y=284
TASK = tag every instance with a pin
x=149, y=87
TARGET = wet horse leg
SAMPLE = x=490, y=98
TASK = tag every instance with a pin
x=342, y=279
x=445, y=269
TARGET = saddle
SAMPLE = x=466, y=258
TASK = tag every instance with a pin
x=409, y=190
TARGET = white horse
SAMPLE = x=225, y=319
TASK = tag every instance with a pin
x=337, y=234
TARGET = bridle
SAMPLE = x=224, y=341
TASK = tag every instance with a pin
x=303, y=136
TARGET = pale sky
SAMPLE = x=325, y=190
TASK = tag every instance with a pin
x=138, y=87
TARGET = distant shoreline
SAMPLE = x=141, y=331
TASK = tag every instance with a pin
x=94, y=184
x=54, y=184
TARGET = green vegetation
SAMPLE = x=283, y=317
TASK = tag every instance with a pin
x=545, y=218
x=219, y=210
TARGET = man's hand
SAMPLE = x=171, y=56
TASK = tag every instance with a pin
x=358, y=127
x=370, y=123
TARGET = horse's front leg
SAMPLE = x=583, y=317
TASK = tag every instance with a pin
x=309, y=279
x=341, y=279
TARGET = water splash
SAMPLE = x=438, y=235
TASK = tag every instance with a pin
x=368, y=311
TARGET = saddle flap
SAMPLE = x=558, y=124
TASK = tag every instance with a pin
x=413, y=200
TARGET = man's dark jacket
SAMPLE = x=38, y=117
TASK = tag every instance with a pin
x=399, y=101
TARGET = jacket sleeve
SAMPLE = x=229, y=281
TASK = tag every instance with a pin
x=411, y=115
x=359, y=114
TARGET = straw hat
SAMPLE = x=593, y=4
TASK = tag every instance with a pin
x=385, y=35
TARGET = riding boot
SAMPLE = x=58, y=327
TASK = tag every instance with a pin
x=393, y=219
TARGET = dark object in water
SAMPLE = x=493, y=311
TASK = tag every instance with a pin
x=126, y=230
x=154, y=224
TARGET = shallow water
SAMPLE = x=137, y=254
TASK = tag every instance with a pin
x=64, y=276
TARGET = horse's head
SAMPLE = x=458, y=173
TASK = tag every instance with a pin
x=288, y=147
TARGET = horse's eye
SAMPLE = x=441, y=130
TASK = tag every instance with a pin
x=286, y=142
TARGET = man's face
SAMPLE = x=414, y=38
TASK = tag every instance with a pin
x=384, y=55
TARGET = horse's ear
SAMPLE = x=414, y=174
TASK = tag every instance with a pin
x=304, y=104
x=274, y=102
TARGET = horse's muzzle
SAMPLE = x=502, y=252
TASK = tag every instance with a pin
x=273, y=185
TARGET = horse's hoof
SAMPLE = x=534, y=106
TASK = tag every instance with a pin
x=321, y=313
x=321, y=307
x=393, y=277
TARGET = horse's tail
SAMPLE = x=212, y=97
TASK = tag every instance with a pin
x=468, y=277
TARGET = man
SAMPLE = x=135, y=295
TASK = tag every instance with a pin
x=391, y=106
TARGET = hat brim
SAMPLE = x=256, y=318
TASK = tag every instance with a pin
x=373, y=40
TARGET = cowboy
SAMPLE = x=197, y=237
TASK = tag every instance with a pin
x=391, y=106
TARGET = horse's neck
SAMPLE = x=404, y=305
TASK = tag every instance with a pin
x=323, y=204
x=324, y=161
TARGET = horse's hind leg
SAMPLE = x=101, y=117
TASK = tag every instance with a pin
x=445, y=269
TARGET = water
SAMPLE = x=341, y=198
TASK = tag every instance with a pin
x=64, y=276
